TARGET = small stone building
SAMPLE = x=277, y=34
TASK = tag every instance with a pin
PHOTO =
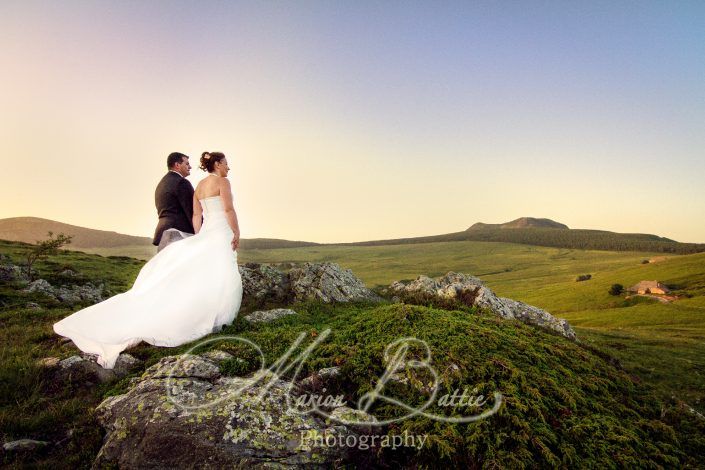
x=649, y=287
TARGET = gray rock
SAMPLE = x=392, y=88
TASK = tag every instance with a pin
x=48, y=362
x=350, y=416
x=328, y=282
x=184, y=366
x=80, y=293
x=266, y=316
x=40, y=286
x=217, y=356
x=85, y=368
x=263, y=283
x=69, y=295
x=7, y=273
x=22, y=445
x=320, y=378
x=536, y=316
x=10, y=272
x=458, y=288
x=148, y=428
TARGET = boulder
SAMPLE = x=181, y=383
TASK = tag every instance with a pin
x=457, y=288
x=11, y=272
x=23, y=445
x=218, y=356
x=69, y=295
x=320, y=379
x=40, y=286
x=328, y=282
x=8, y=272
x=85, y=368
x=266, y=316
x=205, y=419
x=262, y=283
x=75, y=294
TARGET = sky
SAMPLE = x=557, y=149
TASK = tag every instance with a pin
x=364, y=120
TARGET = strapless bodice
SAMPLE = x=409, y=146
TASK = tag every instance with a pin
x=212, y=205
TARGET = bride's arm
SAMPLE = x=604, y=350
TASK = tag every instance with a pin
x=227, y=197
x=197, y=214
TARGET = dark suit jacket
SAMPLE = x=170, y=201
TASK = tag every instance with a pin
x=174, y=200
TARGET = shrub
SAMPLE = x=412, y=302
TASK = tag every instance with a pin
x=616, y=289
x=45, y=248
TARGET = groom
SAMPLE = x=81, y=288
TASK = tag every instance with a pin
x=174, y=198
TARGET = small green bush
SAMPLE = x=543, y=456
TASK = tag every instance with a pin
x=616, y=289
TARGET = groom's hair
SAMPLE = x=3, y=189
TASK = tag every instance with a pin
x=174, y=158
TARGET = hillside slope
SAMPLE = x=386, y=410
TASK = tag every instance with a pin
x=31, y=229
x=565, y=404
x=552, y=237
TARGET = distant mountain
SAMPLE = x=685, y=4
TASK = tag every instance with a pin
x=31, y=229
x=522, y=222
x=546, y=232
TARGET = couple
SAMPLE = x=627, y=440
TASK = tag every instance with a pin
x=191, y=288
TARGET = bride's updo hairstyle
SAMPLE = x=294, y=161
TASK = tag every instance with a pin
x=209, y=159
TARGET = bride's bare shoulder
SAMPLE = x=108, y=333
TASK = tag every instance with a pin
x=224, y=183
x=199, y=188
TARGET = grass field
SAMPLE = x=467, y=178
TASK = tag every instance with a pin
x=143, y=252
x=660, y=344
x=663, y=344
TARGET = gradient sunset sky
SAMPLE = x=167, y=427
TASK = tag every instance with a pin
x=351, y=121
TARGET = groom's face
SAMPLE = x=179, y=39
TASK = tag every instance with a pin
x=183, y=168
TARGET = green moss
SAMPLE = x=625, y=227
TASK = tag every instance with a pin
x=565, y=404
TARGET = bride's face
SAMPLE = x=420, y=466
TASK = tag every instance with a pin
x=224, y=168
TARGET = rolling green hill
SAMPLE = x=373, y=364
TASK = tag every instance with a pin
x=661, y=343
x=525, y=230
x=567, y=404
x=552, y=237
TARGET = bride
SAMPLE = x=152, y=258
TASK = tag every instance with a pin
x=188, y=290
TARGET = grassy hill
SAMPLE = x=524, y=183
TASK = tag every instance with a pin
x=525, y=230
x=647, y=336
x=31, y=229
x=552, y=237
x=522, y=222
x=567, y=404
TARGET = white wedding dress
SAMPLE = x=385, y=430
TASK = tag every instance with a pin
x=188, y=290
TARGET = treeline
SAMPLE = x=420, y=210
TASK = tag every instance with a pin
x=588, y=240
x=558, y=238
